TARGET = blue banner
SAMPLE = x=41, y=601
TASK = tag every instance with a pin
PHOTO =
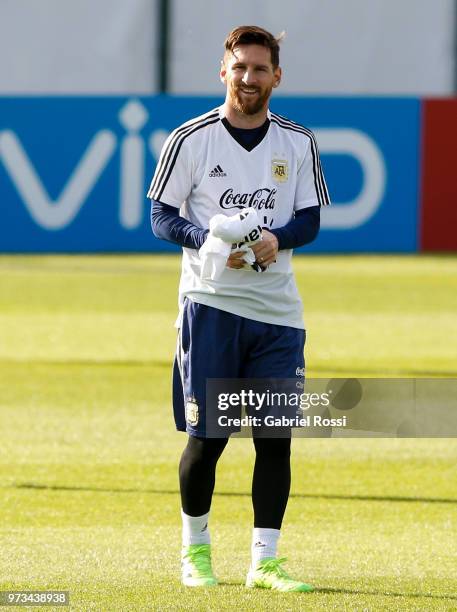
x=74, y=170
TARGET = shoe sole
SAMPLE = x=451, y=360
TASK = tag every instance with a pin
x=250, y=584
x=196, y=585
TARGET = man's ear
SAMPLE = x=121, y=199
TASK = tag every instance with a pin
x=223, y=72
x=278, y=75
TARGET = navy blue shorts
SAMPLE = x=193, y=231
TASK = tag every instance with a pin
x=213, y=343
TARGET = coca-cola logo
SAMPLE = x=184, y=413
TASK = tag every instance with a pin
x=259, y=199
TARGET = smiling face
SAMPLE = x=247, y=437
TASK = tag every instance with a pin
x=250, y=78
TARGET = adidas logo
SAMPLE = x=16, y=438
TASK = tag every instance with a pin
x=217, y=172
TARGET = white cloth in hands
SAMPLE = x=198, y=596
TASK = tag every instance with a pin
x=237, y=233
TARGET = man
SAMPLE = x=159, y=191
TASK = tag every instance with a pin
x=248, y=323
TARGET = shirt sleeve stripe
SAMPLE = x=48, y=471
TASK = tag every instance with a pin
x=319, y=181
x=170, y=153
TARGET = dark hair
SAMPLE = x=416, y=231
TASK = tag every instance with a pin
x=253, y=35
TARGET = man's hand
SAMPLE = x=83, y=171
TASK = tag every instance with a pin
x=236, y=260
x=266, y=250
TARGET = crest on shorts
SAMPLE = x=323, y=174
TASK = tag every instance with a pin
x=192, y=412
x=279, y=170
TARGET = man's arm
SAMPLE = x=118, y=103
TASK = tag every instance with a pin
x=168, y=225
x=301, y=230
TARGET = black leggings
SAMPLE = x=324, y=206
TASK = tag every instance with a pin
x=270, y=483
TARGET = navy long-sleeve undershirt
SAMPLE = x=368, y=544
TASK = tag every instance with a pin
x=300, y=230
x=168, y=225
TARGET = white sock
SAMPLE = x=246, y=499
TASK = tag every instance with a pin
x=264, y=544
x=195, y=529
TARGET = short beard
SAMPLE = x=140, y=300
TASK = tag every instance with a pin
x=251, y=108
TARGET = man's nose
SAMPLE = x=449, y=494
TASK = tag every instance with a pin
x=248, y=77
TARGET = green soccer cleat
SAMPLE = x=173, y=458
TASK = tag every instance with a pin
x=196, y=566
x=270, y=575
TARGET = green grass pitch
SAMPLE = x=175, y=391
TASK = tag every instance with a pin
x=88, y=453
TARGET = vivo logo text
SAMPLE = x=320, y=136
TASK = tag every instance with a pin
x=59, y=213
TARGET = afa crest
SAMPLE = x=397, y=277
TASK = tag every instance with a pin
x=192, y=412
x=279, y=170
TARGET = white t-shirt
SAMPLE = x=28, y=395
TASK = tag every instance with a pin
x=204, y=171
